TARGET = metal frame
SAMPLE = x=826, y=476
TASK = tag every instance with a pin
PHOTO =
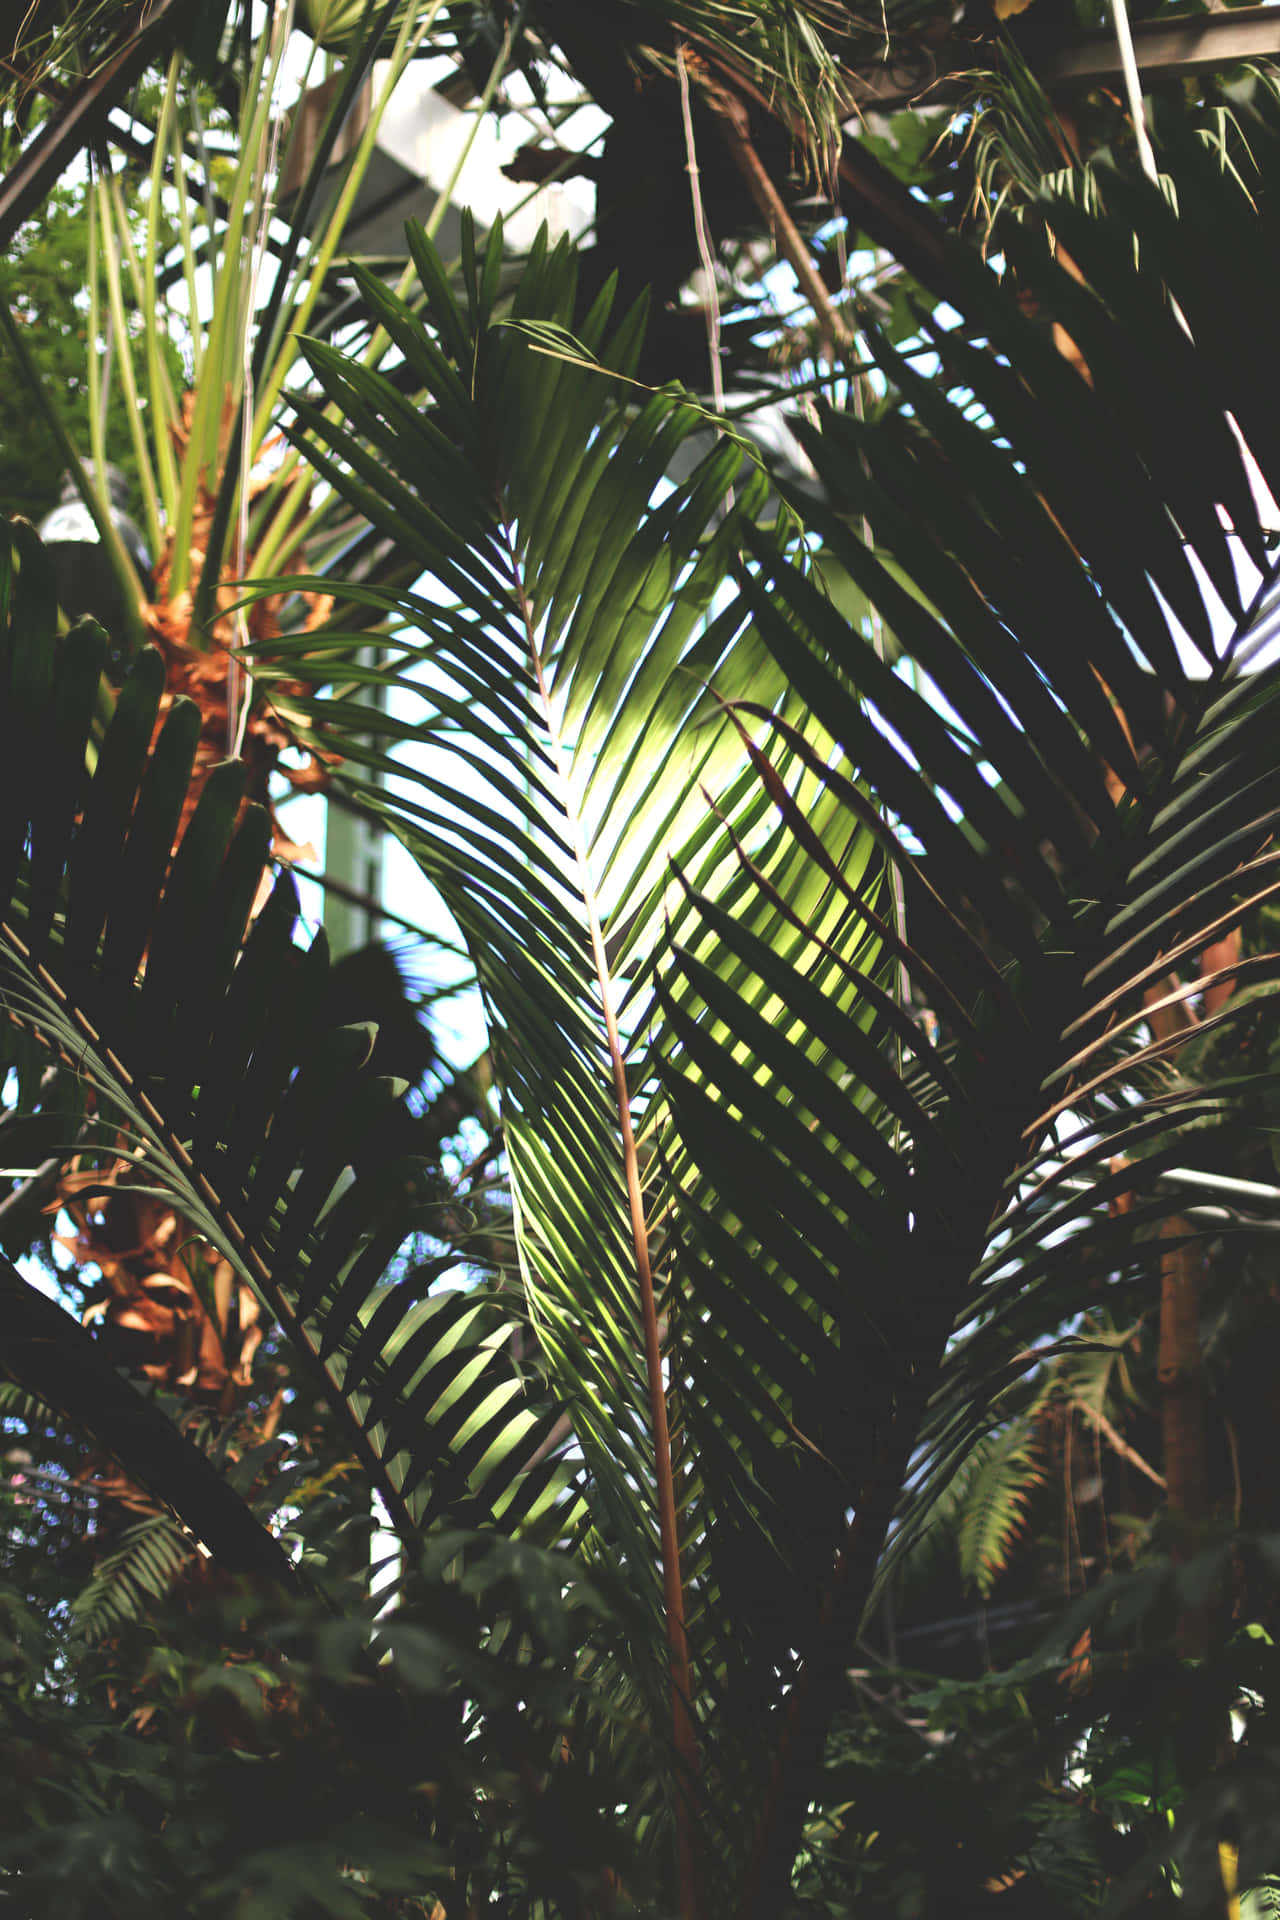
x=1166, y=49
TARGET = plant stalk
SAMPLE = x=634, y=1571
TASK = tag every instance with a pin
x=684, y=1733
x=818, y=1686
x=786, y=235
x=1180, y=1371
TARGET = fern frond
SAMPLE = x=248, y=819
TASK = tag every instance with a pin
x=999, y=1485
x=139, y=1571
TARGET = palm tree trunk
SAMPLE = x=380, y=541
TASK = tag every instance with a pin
x=1180, y=1371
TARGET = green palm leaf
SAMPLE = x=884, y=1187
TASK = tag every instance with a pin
x=853, y=1216
x=271, y=1135
x=568, y=665
x=1054, y=532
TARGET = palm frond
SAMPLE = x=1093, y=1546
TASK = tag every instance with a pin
x=1055, y=528
x=60, y=1366
x=855, y=1219
x=210, y=1068
x=563, y=668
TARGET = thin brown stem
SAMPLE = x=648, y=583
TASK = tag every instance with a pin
x=883, y=206
x=1237, y=1487
x=1118, y=1444
x=704, y=239
x=1180, y=1371
x=787, y=238
x=1069, y=1501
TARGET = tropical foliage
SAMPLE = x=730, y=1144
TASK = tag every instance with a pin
x=837, y=974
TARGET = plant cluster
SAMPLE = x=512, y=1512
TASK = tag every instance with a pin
x=521, y=1489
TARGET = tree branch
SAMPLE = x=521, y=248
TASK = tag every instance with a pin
x=72, y=128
